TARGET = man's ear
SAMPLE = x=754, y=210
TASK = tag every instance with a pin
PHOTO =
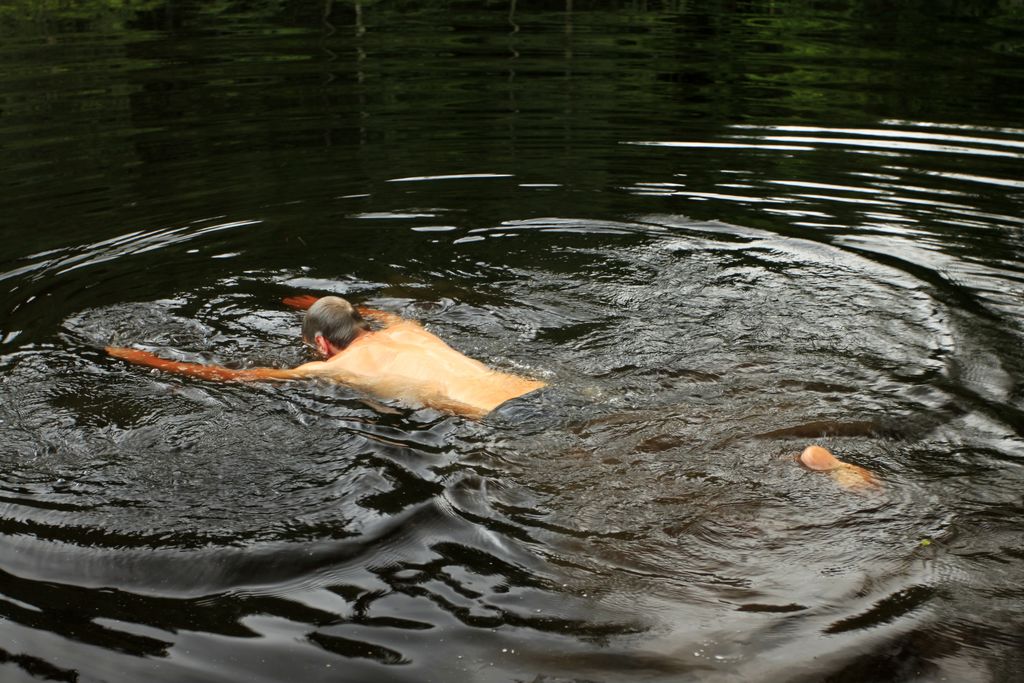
x=322, y=345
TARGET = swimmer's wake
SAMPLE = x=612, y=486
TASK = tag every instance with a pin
x=398, y=359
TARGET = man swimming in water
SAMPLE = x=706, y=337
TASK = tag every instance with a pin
x=398, y=360
x=402, y=361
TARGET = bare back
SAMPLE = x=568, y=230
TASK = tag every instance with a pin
x=406, y=362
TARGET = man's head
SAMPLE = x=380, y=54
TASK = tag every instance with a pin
x=331, y=324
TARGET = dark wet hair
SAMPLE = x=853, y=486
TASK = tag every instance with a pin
x=336, y=319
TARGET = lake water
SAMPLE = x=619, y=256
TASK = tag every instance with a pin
x=720, y=232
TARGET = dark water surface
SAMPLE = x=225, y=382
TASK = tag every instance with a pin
x=701, y=223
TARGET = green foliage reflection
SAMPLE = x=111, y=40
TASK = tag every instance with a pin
x=771, y=15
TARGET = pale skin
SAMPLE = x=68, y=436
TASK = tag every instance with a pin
x=400, y=361
x=846, y=475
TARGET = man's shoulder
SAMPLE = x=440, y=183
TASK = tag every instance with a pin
x=366, y=357
x=312, y=369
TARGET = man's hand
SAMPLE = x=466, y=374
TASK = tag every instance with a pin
x=136, y=356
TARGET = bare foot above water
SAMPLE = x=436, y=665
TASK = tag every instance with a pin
x=846, y=475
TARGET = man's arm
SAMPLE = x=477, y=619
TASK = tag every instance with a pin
x=210, y=372
x=383, y=317
x=302, y=302
x=299, y=302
